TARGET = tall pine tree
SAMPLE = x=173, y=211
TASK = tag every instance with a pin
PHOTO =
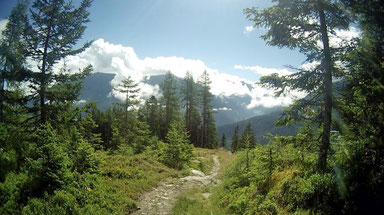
x=54, y=29
x=301, y=25
x=192, y=116
x=170, y=101
x=150, y=113
x=208, y=124
x=12, y=54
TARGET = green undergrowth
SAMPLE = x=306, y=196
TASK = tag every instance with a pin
x=279, y=178
x=129, y=176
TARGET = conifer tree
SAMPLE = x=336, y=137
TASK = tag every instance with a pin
x=63, y=94
x=170, y=101
x=223, y=140
x=192, y=116
x=12, y=53
x=208, y=125
x=54, y=29
x=178, y=151
x=248, y=139
x=151, y=115
x=301, y=25
x=130, y=89
x=235, y=139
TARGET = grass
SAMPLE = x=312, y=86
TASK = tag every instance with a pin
x=129, y=176
x=193, y=201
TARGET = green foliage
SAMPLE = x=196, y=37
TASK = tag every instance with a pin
x=151, y=114
x=54, y=27
x=301, y=25
x=190, y=97
x=281, y=178
x=235, y=140
x=129, y=88
x=49, y=165
x=191, y=203
x=170, y=100
x=178, y=151
x=208, y=124
x=223, y=141
x=248, y=138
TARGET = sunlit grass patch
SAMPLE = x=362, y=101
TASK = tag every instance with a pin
x=130, y=176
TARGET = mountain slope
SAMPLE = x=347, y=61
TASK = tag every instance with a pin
x=97, y=88
x=261, y=126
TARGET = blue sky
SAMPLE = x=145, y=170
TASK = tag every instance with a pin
x=209, y=30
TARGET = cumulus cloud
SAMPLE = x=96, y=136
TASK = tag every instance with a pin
x=263, y=70
x=123, y=61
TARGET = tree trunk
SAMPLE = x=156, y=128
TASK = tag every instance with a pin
x=327, y=85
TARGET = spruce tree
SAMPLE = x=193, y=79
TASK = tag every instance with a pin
x=223, y=141
x=63, y=94
x=301, y=25
x=130, y=89
x=170, y=101
x=150, y=113
x=54, y=29
x=192, y=116
x=235, y=139
x=248, y=139
x=12, y=56
x=208, y=125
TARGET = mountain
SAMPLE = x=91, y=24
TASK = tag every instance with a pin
x=230, y=109
x=261, y=126
x=97, y=87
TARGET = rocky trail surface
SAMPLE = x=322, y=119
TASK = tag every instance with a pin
x=161, y=199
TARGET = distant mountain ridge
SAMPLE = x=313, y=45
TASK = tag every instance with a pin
x=97, y=88
x=261, y=125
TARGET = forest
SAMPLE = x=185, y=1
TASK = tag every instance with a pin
x=61, y=156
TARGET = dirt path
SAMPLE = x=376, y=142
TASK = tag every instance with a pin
x=161, y=199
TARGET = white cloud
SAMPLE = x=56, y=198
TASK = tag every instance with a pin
x=263, y=70
x=340, y=37
x=248, y=30
x=310, y=66
x=343, y=36
x=123, y=61
x=225, y=108
x=80, y=102
x=3, y=24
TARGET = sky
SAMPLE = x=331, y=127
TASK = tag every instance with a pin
x=213, y=31
x=141, y=38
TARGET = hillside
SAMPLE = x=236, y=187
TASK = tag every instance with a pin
x=261, y=126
